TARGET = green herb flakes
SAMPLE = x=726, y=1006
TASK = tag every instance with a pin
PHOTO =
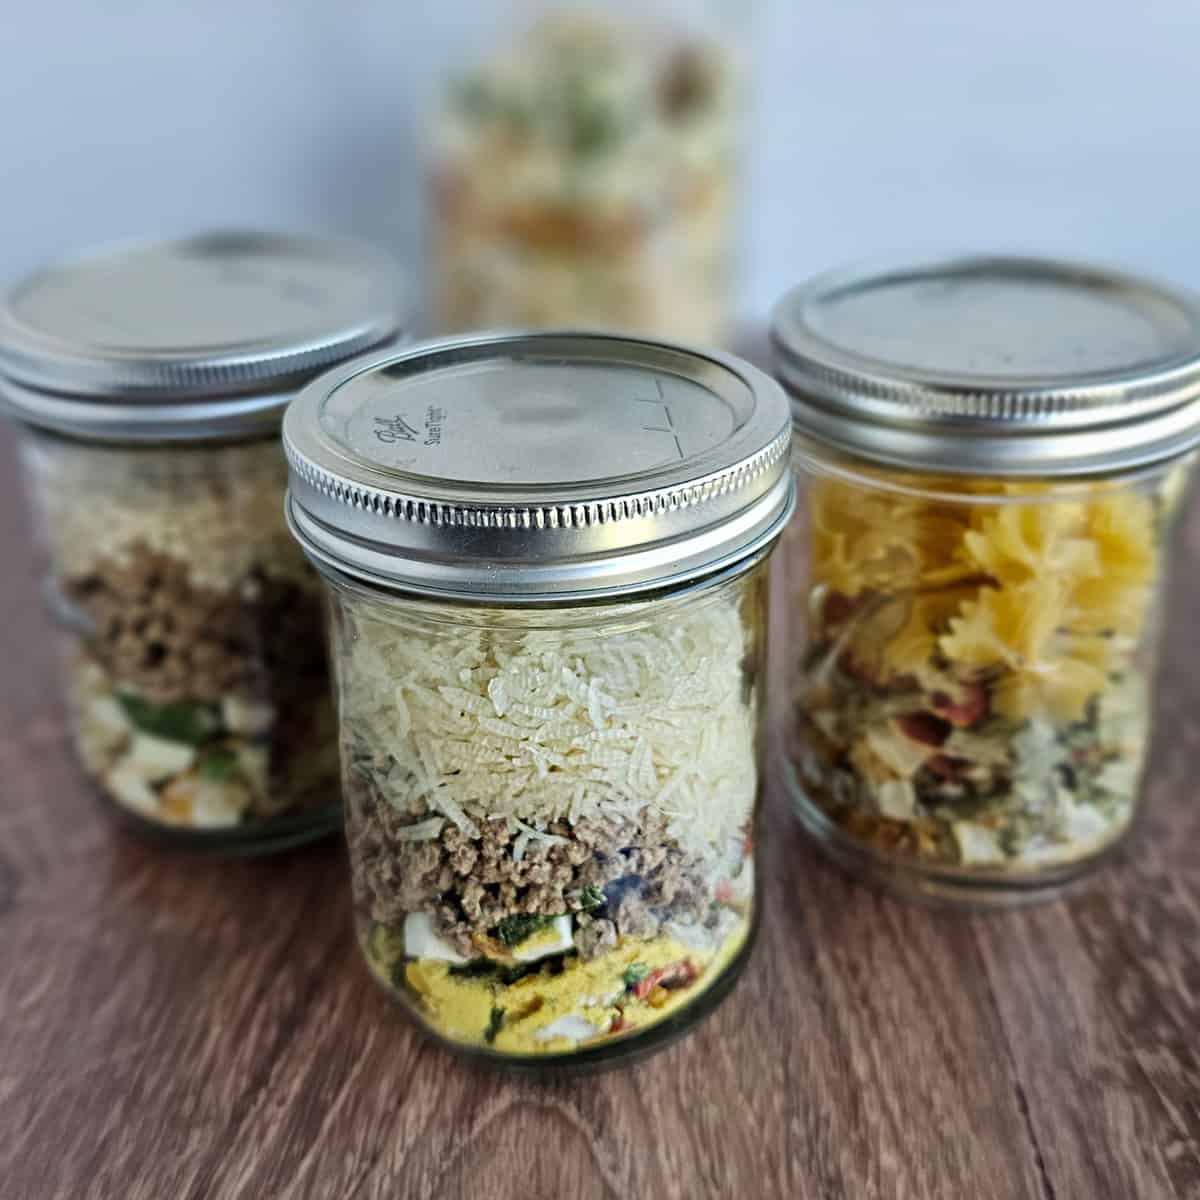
x=635, y=973
x=511, y=974
x=495, y=1024
x=476, y=969
x=512, y=931
x=182, y=721
x=218, y=765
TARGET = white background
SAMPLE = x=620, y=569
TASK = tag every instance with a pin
x=882, y=125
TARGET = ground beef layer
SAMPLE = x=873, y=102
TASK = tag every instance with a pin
x=470, y=884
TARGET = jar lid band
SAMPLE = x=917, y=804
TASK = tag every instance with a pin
x=205, y=336
x=992, y=365
x=530, y=467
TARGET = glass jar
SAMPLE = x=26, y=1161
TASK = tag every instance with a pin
x=192, y=625
x=595, y=906
x=549, y=640
x=993, y=452
x=586, y=173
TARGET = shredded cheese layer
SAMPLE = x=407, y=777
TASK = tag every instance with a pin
x=532, y=727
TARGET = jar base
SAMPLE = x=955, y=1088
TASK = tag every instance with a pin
x=286, y=833
x=620, y=1052
x=939, y=885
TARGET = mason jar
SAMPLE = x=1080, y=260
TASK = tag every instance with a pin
x=148, y=385
x=546, y=556
x=993, y=451
x=587, y=170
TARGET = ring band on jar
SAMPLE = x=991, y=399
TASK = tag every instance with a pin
x=549, y=625
x=992, y=451
x=148, y=384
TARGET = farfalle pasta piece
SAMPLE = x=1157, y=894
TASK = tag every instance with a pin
x=1062, y=685
x=1020, y=542
x=881, y=541
x=1122, y=527
x=913, y=650
x=1022, y=630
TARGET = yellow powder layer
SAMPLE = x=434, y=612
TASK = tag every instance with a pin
x=464, y=1009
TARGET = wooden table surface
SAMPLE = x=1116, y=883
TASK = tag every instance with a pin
x=180, y=1027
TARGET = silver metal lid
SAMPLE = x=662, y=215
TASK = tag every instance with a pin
x=997, y=366
x=528, y=467
x=198, y=337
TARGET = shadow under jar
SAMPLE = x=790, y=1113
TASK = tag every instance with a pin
x=992, y=451
x=549, y=638
x=149, y=385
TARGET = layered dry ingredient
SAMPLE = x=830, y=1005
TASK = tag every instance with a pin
x=975, y=688
x=550, y=828
x=198, y=679
x=586, y=179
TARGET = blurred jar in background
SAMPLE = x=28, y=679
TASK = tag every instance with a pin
x=586, y=174
x=149, y=383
